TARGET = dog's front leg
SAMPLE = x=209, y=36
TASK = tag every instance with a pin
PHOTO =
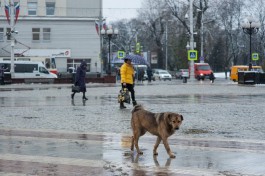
x=168, y=148
x=158, y=140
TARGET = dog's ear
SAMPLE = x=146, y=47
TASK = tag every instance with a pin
x=181, y=117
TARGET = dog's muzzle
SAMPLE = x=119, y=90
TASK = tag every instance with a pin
x=177, y=128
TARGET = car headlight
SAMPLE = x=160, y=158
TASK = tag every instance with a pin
x=201, y=74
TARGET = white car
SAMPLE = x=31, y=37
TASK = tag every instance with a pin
x=162, y=75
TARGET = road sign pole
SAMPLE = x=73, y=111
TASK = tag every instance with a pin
x=192, y=56
x=191, y=40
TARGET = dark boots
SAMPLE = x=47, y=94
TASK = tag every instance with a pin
x=134, y=103
x=122, y=106
x=72, y=95
x=84, y=96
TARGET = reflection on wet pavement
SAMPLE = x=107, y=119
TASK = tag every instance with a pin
x=53, y=152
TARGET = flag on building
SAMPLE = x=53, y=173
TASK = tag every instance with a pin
x=104, y=26
x=17, y=8
x=7, y=11
x=97, y=26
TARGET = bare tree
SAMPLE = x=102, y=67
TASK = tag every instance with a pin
x=225, y=43
x=257, y=8
x=153, y=15
x=229, y=15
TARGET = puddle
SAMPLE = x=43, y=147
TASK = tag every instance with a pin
x=30, y=117
x=196, y=131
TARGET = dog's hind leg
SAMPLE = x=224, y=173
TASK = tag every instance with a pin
x=136, y=137
x=132, y=143
x=158, y=140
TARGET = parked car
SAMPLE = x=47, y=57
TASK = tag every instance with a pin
x=162, y=75
x=182, y=73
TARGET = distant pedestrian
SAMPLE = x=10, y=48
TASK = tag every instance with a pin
x=212, y=77
x=2, y=74
x=127, y=79
x=118, y=73
x=80, y=79
x=141, y=75
x=149, y=74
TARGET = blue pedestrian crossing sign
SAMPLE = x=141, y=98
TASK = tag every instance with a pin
x=192, y=54
x=121, y=54
x=255, y=56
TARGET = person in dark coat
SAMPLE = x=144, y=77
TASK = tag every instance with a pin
x=80, y=79
x=149, y=74
x=2, y=74
x=212, y=77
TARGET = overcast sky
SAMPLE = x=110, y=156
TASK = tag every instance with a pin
x=119, y=9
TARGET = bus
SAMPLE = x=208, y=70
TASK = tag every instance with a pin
x=236, y=68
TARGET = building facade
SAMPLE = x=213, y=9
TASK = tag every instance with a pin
x=60, y=29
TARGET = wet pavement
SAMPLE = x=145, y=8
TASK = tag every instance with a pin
x=44, y=132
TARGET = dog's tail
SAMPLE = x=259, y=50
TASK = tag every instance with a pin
x=137, y=108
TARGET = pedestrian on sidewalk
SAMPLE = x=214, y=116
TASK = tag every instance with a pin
x=2, y=74
x=80, y=79
x=149, y=73
x=127, y=79
x=212, y=77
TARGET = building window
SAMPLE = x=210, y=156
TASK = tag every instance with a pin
x=50, y=8
x=36, y=34
x=32, y=8
x=8, y=30
x=1, y=34
x=46, y=34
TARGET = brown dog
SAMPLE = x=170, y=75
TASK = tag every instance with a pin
x=162, y=125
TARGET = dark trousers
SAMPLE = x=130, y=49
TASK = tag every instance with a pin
x=2, y=80
x=130, y=88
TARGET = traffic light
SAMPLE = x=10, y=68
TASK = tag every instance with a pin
x=138, y=48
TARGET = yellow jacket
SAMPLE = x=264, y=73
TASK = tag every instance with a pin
x=127, y=73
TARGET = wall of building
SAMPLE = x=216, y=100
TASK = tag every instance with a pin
x=72, y=27
x=63, y=8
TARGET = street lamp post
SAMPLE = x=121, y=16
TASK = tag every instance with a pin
x=191, y=40
x=167, y=43
x=109, y=34
x=201, y=35
x=250, y=27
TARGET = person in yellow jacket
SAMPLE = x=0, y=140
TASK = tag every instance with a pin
x=127, y=79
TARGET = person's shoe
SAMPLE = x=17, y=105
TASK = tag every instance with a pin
x=134, y=103
x=85, y=98
x=72, y=96
x=122, y=106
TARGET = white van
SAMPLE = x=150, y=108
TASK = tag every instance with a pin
x=28, y=69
